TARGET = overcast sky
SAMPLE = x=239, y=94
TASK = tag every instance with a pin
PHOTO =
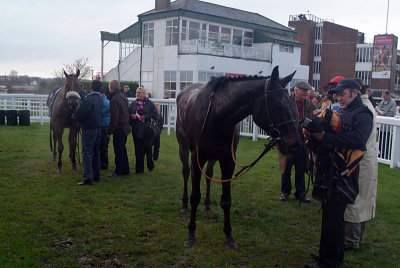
x=39, y=36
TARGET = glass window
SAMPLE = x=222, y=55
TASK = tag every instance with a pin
x=204, y=77
x=172, y=32
x=317, y=67
x=203, y=32
x=194, y=30
x=285, y=48
x=213, y=33
x=184, y=30
x=226, y=35
x=316, y=84
x=365, y=76
x=128, y=45
x=186, y=78
x=169, y=84
x=248, y=39
x=317, y=50
x=148, y=34
x=237, y=37
x=318, y=33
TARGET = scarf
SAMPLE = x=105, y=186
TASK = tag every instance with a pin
x=139, y=105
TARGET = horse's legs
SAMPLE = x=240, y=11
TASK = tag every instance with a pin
x=184, y=156
x=209, y=172
x=55, y=147
x=194, y=199
x=54, y=137
x=72, y=145
x=59, y=134
x=227, y=168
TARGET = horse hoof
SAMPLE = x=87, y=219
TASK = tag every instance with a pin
x=59, y=170
x=74, y=168
x=190, y=242
x=231, y=243
x=184, y=210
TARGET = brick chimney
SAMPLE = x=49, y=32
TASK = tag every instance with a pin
x=162, y=4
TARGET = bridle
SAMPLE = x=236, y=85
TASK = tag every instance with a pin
x=273, y=127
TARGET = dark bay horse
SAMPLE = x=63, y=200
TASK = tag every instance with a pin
x=206, y=118
x=62, y=105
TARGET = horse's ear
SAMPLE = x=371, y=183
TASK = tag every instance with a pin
x=66, y=75
x=78, y=72
x=287, y=79
x=275, y=74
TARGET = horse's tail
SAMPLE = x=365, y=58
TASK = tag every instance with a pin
x=51, y=143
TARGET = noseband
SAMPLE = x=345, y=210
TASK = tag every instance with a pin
x=273, y=127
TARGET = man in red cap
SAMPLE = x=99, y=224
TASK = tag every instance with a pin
x=332, y=84
x=334, y=81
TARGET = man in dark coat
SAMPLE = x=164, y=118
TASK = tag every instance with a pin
x=119, y=127
x=301, y=107
x=343, y=190
x=127, y=92
x=88, y=117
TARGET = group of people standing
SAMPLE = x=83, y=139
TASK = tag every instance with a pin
x=345, y=210
x=100, y=118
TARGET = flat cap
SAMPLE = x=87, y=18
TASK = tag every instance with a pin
x=303, y=85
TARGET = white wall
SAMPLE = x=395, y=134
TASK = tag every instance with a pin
x=363, y=66
x=289, y=62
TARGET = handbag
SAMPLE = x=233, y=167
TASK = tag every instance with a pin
x=153, y=127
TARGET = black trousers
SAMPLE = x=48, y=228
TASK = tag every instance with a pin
x=142, y=148
x=104, y=141
x=299, y=162
x=331, y=247
x=156, y=144
x=121, y=156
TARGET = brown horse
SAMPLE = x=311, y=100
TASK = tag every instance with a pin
x=206, y=119
x=62, y=105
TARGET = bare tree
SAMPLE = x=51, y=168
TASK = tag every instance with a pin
x=82, y=64
x=13, y=73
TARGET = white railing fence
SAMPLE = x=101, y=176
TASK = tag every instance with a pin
x=388, y=140
x=35, y=103
x=388, y=134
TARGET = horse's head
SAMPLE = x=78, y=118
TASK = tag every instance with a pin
x=273, y=114
x=72, y=86
x=71, y=82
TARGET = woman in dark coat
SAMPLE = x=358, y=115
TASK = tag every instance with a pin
x=141, y=111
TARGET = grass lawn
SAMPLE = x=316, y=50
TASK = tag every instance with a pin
x=46, y=219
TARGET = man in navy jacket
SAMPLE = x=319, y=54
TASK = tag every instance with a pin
x=343, y=190
x=88, y=117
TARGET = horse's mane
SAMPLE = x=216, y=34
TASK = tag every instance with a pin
x=221, y=81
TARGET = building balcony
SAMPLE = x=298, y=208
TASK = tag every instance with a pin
x=226, y=50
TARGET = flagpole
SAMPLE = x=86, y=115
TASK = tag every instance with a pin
x=387, y=16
